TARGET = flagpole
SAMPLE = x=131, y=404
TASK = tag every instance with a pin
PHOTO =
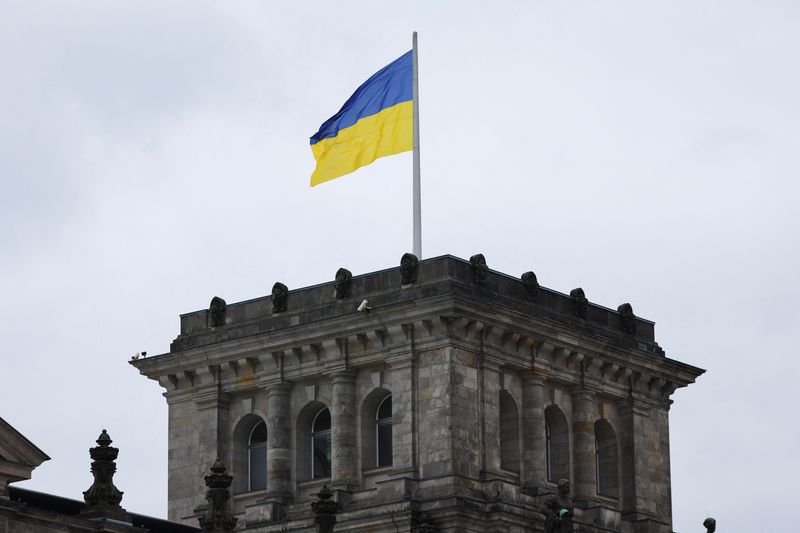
x=417, y=202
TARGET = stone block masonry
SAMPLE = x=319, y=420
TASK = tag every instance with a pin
x=497, y=387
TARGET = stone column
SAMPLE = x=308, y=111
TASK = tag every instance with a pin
x=534, y=453
x=343, y=430
x=489, y=413
x=279, y=444
x=404, y=447
x=585, y=486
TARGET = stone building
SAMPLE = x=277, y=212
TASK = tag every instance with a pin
x=434, y=396
x=28, y=511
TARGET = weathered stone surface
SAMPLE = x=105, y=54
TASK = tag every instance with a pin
x=471, y=372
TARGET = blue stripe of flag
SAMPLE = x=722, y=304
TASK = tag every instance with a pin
x=387, y=87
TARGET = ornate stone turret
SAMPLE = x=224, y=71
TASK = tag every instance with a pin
x=324, y=511
x=102, y=498
x=218, y=518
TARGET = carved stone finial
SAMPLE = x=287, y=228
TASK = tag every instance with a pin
x=216, y=312
x=218, y=518
x=324, y=511
x=280, y=294
x=409, y=269
x=627, y=320
x=479, y=269
x=344, y=280
x=579, y=302
x=558, y=510
x=530, y=286
x=710, y=524
x=102, y=498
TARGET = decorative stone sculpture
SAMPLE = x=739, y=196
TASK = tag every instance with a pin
x=409, y=268
x=218, y=518
x=216, y=312
x=530, y=286
x=344, y=279
x=580, y=304
x=102, y=499
x=710, y=524
x=627, y=320
x=558, y=510
x=324, y=511
x=479, y=269
x=280, y=293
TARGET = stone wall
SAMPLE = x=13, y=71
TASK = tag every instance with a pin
x=471, y=363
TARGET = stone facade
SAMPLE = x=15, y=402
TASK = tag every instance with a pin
x=499, y=387
x=27, y=511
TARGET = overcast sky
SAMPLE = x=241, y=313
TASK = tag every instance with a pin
x=154, y=154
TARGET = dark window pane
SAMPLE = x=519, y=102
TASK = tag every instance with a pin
x=322, y=454
x=384, y=444
x=385, y=409
x=259, y=433
x=322, y=421
x=258, y=467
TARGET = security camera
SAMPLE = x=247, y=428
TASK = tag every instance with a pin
x=363, y=306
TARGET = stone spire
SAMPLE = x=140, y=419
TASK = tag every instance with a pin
x=218, y=518
x=324, y=511
x=102, y=498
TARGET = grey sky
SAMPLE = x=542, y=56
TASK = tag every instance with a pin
x=153, y=155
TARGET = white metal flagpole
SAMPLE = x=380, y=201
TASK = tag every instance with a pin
x=417, y=202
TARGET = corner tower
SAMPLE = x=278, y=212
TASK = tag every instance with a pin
x=456, y=399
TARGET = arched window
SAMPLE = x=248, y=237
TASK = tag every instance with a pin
x=557, y=444
x=383, y=432
x=605, y=441
x=249, y=454
x=509, y=433
x=321, y=444
x=257, y=457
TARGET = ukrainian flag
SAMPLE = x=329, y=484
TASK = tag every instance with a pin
x=375, y=122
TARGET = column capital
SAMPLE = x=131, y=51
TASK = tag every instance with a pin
x=529, y=377
x=343, y=376
x=283, y=388
x=583, y=394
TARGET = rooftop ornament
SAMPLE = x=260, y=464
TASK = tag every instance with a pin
x=409, y=269
x=530, y=286
x=479, y=269
x=280, y=295
x=324, y=511
x=344, y=280
x=580, y=304
x=102, y=498
x=627, y=320
x=216, y=312
x=218, y=518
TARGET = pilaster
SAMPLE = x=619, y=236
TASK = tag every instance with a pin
x=279, y=444
x=585, y=473
x=344, y=452
x=534, y=445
